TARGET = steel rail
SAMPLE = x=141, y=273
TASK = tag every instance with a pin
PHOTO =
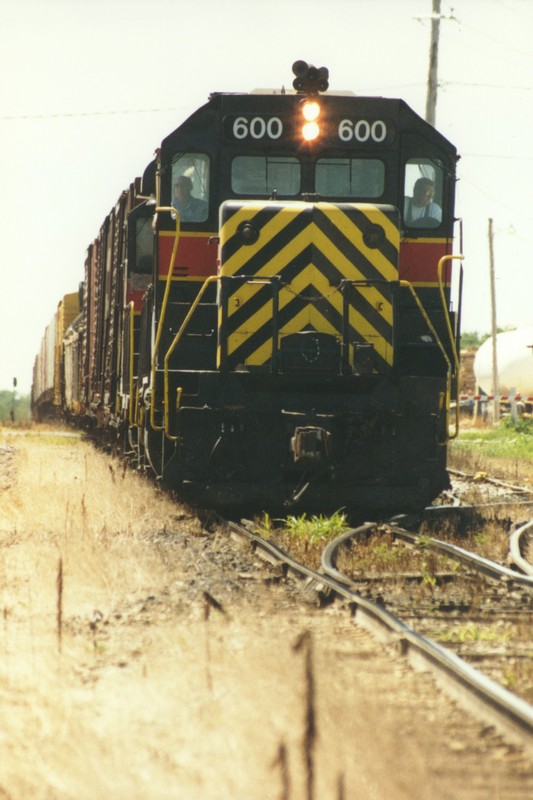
x=492, y=702
x=515, y=548
x=489, y=568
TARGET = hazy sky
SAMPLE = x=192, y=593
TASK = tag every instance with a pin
x=90, y=88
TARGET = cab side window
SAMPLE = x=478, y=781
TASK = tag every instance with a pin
x=423, y=193
x=144, y=246
x=190, y=186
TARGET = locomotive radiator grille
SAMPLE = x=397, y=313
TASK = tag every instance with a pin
x=297, y=268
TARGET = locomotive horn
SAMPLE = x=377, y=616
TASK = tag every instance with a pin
x=300, y=68
x=309, y=79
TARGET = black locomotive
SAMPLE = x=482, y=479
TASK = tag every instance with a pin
x=266, y=318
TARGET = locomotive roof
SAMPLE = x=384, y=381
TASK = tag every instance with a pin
x=197, y=130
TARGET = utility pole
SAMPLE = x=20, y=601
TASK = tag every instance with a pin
x=12, y=412
x=495, y=381
x=431, y=98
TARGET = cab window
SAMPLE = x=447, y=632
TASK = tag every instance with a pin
x=350, y=177
x=144, y=246
x=265, y=175
x=190, y=186
x=423, y=190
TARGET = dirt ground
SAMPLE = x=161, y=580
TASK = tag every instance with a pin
x=144, y=656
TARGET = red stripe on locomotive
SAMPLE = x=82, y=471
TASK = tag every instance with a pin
x=419, y=259
x=135, y=297
x=196, y=256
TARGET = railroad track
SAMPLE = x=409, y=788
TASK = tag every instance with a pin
x=521, y=548
x=495, y=704
x=521, y=575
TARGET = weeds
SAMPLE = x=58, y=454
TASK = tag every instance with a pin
x=317, y=528
x=303, y=537
x=470, y=632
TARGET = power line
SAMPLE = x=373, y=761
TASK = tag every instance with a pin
x=498, y=156
x=79, y=114
x=443, y=84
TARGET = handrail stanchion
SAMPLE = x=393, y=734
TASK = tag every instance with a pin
x=159, y=331
x=174, y=344
x=407, y=285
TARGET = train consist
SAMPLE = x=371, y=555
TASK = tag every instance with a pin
x=268, y=318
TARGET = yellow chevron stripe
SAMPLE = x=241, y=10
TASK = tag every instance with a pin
x=350, y=272
x=271, y=228
x=380, y=262
x=312, y=275
x=309, y=315
x=313, y=235
x=248, y=212
x=360, y=324
x=274, y=266
x=377, y=216
x=306, y=316
x=250, y=326
x=357, y=321
x=261, y=355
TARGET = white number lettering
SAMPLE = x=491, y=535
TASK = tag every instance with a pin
x=240, y=128
x=274, y=128
x=257, y=128
x=346, y=130
x=378, y=131
x=362, y=130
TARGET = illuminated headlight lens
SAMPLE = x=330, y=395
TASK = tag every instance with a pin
x=311, y=111
x=310, y=131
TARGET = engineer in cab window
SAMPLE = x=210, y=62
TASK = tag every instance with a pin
x=191, y=208
x=420, y=210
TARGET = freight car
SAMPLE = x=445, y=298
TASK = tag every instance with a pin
x=48, y=383
x=269, y=318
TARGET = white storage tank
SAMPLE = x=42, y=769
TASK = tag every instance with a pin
x=515, y=363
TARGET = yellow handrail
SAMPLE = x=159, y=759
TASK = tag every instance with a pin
x=452, y=368
x=442, y=261
x=208, y=281
x=159, y=331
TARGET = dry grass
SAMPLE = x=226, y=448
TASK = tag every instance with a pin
x=64, y=505
x=470, y=453
x=74, y=552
